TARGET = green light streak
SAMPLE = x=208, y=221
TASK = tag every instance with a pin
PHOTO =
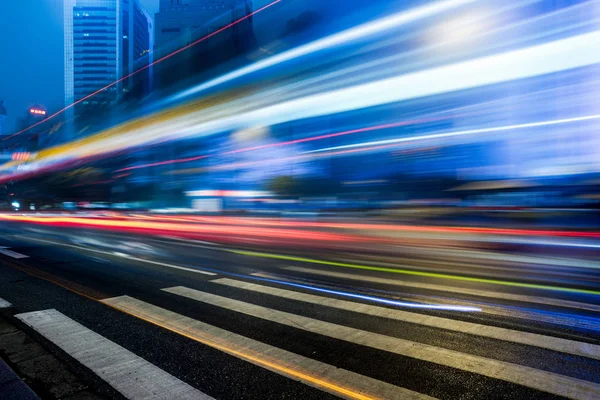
x=417, y=273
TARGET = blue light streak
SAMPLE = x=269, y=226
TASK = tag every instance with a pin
x=380, y=300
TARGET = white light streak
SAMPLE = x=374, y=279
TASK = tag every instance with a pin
x=255, y=111
x=460, y=133
x=341, y=38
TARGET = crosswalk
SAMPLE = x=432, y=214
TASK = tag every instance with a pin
x=132, y=376
x=532, y=339
x=4, y=304
x=311, y=372
x=313, y=314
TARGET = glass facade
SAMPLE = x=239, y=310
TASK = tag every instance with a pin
x=103, y=39
x=190, y=19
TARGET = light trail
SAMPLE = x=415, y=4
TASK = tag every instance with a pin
x=418, y=273
x=167, y=162
x=379, y=143
x=191, y=229
x=374, y=299
x=387, y=144
x=234, y=221
x=338, y=39
x=559, y=55
x=202, y=39
x=528, y=62
x=289, y=142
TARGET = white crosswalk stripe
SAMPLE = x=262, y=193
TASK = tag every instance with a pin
x=526, y=314
x=311, y=372
x=132, y=376
x=522, y=375
x=532, y=339
x=4, y=304
x=12, y=254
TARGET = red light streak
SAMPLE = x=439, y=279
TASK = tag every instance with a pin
x=295, y=141
x=275, y=232
x=330, y=135
x=237, y=221
x=202, y=39
x=181, y=160
x=189, y=229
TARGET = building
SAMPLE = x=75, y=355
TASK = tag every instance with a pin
x=29, y=140
x=183, y=21
x=104, y=40
x=3, y=115
x=180, y=23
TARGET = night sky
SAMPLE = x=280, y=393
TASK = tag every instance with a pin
x=31, y=54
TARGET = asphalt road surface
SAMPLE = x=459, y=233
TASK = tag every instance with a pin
x=155, y=317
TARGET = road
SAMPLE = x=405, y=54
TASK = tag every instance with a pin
x=363, y=312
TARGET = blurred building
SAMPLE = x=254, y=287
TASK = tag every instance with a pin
x=182, y=22
x=103, y=41
x=3, y=115
x=27, y=141
x=189, y=19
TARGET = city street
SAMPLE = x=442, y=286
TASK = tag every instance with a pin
x=299, y=199
x=426, y=314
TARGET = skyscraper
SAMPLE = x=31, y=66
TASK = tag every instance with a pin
x=104, y=40
x=178, y=25
x=186, y=20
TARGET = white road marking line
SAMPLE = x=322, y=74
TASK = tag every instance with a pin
x=508, y=335
x=4, y=304
x=132, y=376
x=451, y=289
x=197, y=271
x=308, y=371
x=526, y=376
x=12, y=254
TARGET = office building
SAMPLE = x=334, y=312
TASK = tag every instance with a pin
x=104, y=40
x=27, y=141
x=178, y=25
x=183, y=21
